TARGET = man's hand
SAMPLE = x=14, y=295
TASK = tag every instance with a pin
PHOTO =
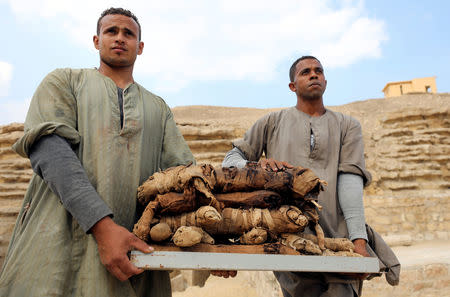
x=114, y=242
x=360, y=248
x=274, y=165
x=224, y=273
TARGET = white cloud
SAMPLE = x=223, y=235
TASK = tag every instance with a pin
x=194, y=40
x=6, y=70
x=13, y=111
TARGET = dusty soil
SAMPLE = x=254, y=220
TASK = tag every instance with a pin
x=220, y=287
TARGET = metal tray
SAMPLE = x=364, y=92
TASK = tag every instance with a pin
x=179, y=260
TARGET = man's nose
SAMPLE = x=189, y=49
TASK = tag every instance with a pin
x=120, y=38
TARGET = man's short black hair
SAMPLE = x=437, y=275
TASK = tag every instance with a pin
x=120, y=11
x=294, y=65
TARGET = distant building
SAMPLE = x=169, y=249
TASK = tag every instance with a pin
x=413, y=86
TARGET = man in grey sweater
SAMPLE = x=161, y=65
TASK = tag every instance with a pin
x=92, y=136
x=330, y=144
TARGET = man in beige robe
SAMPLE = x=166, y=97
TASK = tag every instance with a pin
x=93, y=136
x=329, y=143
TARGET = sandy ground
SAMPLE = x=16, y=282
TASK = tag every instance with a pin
x=429, y=252
x=220, y=287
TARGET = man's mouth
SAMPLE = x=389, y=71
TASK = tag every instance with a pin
x=119, y=48
x=315, y=84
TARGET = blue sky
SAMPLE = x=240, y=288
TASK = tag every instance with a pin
x=231, y=52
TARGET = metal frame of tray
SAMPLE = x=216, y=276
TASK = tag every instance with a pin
x=169, y=260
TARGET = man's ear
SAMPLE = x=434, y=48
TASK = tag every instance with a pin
x=95, y=40
x=140, y=47
x=292, y=87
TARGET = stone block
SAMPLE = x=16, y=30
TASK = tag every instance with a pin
x=396, y=219
x=370, y=212
x=398, y=239
x=7, y=226
x=372, y=189
x=407, y=226
x=421, y=217
x=384, y=220
x=435, y=216
x=377, y=201
x=382, y=229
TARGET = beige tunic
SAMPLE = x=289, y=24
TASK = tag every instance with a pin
x=49, y=254
x=285, y=136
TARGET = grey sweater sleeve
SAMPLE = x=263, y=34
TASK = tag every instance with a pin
x=234, y=158
x=350, y=193
x=55, y=162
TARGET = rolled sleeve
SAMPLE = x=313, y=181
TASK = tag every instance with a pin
x=351, y=158
x=254, y=142
x=53, y=110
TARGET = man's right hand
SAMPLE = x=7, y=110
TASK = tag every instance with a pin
x=114, y=242
x=274, y=165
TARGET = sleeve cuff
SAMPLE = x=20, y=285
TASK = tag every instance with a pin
x=87, y=218
x=355, y=169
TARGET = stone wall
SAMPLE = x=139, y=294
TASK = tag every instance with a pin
x=15, y=173
x=409, y=158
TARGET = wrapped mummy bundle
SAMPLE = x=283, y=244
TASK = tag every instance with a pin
x=193, y=204
x=205, y=179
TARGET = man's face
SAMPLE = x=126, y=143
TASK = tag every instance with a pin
x=117, y=41
x=309, y=81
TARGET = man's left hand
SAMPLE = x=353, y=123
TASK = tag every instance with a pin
x=360, y=248
x=274, y=165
